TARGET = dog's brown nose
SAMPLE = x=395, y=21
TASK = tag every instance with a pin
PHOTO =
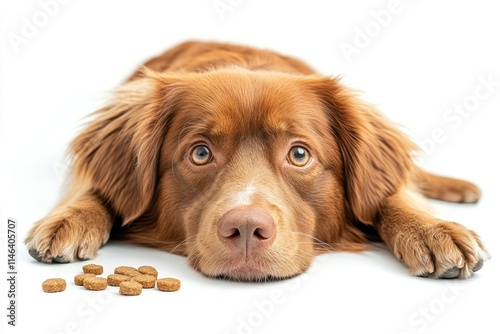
x=247, y=229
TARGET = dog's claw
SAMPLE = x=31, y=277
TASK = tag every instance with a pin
x=478, y=265
x=35, y=254
x=60, y=259
x=451, y=273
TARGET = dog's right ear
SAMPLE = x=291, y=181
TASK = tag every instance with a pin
x=118, y=152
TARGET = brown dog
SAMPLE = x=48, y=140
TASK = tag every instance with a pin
x=250, y=164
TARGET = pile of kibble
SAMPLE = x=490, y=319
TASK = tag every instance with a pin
x=130, y=280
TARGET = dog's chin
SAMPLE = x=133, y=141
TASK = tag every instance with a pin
x=248, y=272
x=254, y=276
x=268, y=265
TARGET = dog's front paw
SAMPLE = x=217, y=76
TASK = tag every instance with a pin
x=68, y=235
x=441, y=250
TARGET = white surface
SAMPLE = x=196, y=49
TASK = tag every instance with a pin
x=429, y=57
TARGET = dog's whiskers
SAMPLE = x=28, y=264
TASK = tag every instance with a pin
x=183, y=243
x=316, y=241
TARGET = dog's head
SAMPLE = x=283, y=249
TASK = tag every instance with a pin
x=250, y=173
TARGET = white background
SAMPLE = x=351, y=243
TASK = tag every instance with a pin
x=429, y=57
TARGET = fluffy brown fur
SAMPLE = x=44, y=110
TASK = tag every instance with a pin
x=133, y=164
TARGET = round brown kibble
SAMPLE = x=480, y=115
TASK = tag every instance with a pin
x=54, y=285
x=93, y=269
x=95, y=283
x=128, y=271
x=122, y=269
x=148, y=270
x=132, y=273
x=168, y=284
x=147, y=281
x=130, y=288
x=116, y=279
x=81, y=277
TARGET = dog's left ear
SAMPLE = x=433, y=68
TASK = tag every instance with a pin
x=377, y=158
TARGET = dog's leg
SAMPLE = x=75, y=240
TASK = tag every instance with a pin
x=446, y=188
x=73, y=231
x=428, y=246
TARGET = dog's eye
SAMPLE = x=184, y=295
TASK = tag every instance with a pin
x=299, y=156
x=201, y=155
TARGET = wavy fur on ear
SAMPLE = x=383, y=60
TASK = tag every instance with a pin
x=377, y=158
x=118, y=152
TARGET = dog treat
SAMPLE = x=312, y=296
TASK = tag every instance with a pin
x=130, y=280
x=168, y=284
x=95, y=283
x=147, y=281
x=81, y=277
x=116, y=279
x=54, y=285
x=122, y=269
x=128, y=271
x=148, y=270
x=130, y=288
x=132, y=273
x=93, y=269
